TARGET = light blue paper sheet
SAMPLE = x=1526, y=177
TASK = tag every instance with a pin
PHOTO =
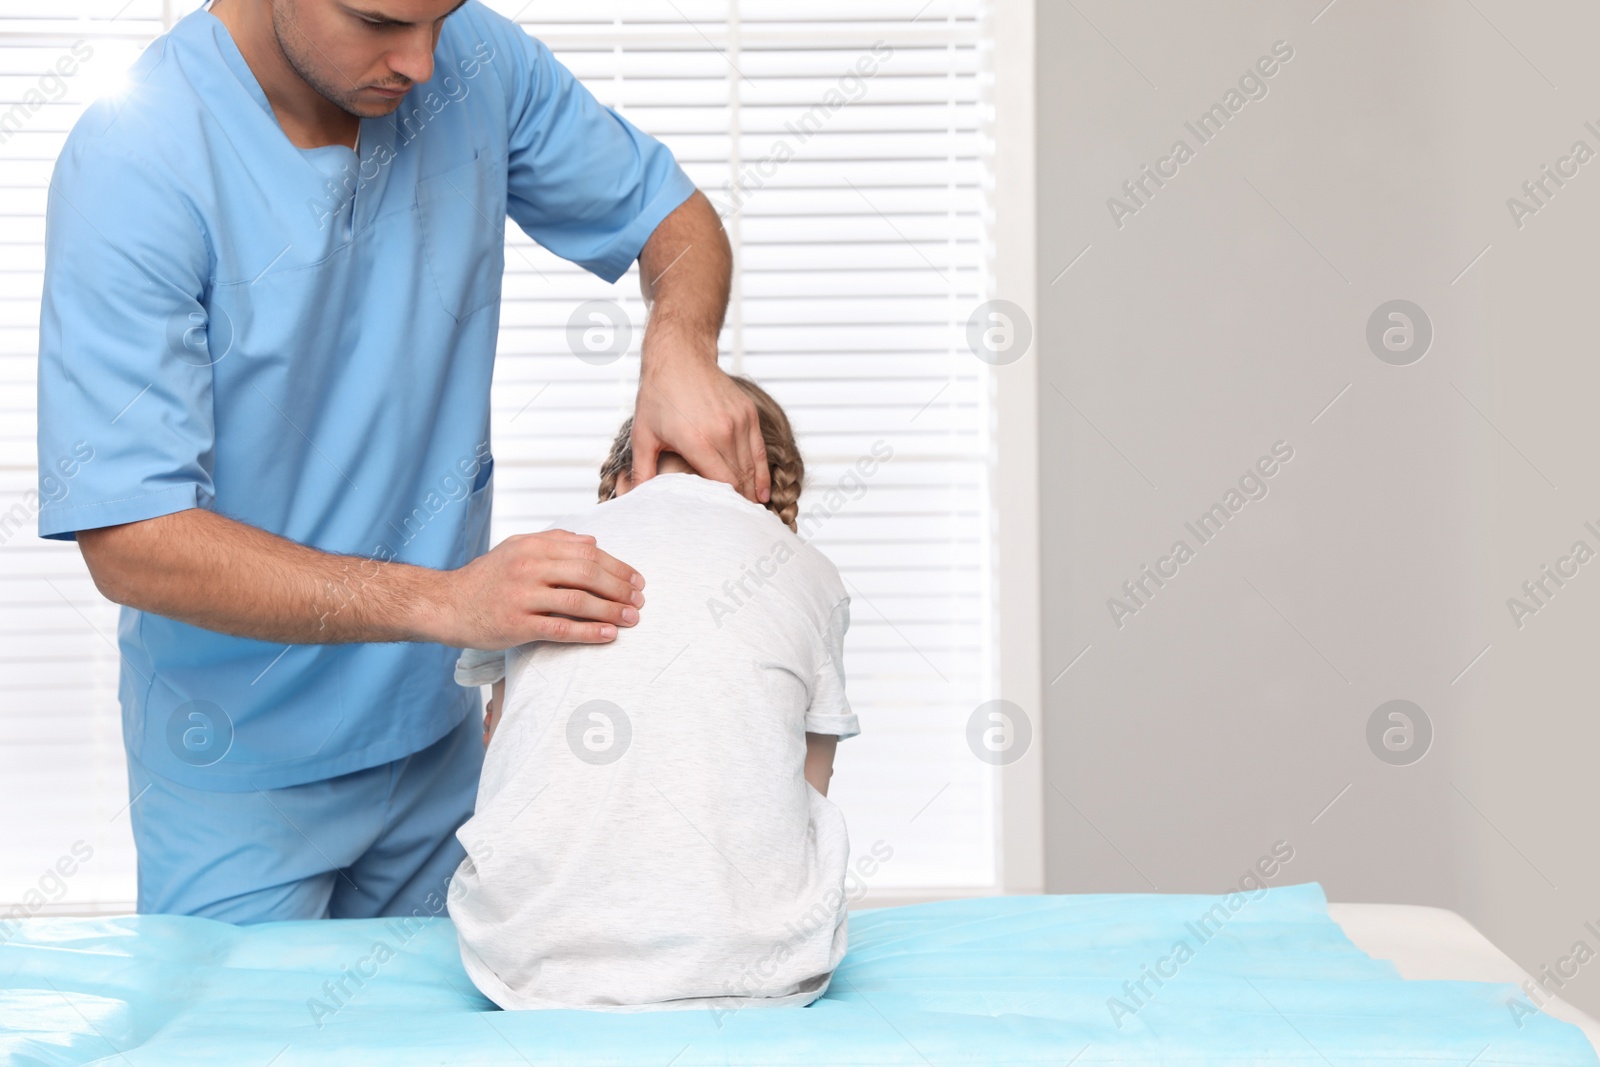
x=1011, y=980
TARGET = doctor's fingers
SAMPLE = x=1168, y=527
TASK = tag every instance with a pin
x=582, y=576
x=737, y=445
x=562, y=630
x=744, y=471
x=564, y=535
x=646, y=455
x=758, y=461
x=541, y=550
x=739, y=442
x=568, y=615
x=719, y=458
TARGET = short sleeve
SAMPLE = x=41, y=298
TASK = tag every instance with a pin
x=125, y=379
x=830, y=712
x=582, y=180
x=476, y=667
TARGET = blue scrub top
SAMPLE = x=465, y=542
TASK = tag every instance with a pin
x=303, y=340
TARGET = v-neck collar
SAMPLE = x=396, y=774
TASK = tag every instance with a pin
x=320, y=157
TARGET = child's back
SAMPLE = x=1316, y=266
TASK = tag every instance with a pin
x=644, y=835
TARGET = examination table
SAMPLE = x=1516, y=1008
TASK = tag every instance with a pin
x=1090, y=979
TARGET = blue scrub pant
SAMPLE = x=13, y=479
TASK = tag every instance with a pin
x=375, y=842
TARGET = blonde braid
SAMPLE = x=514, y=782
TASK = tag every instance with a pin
x=785, y=468
x=619, y=462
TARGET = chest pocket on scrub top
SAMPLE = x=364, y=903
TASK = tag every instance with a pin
x=463, y=216
x=472, y=536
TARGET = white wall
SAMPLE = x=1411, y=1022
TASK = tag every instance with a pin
x=1224, y=316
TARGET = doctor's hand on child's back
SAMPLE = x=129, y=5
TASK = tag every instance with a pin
x=550, y=586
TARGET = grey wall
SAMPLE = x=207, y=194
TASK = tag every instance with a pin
x=1224, y=316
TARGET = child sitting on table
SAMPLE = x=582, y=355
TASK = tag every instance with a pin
x=652, y=829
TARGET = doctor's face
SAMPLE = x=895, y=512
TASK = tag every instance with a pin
x=362, y=55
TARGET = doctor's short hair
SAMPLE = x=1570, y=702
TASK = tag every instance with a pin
x=784, y=464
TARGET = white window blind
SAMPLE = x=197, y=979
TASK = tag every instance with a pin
x=63, y=782
x=843, y=143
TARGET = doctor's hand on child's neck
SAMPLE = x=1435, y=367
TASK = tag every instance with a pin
x=786, y=471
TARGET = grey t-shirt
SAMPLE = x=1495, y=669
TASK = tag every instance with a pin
x=644, y=835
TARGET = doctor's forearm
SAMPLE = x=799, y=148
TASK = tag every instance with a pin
x=229, y=577
x=686, y=403
x=222, y=575
x=685, y=275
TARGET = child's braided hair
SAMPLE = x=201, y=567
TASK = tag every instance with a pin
x=784, y=464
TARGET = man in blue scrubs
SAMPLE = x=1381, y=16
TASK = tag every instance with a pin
x=271, y=301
